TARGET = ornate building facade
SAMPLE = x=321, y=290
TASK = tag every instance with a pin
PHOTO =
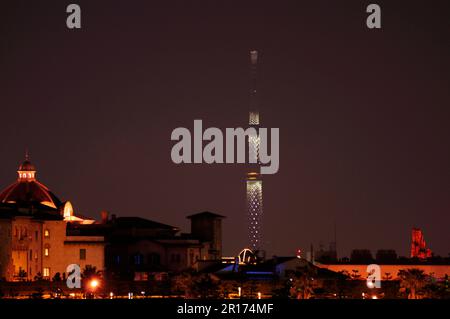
x=33, y=225
x=40, y=236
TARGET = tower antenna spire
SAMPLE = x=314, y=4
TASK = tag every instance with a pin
x=254, y=112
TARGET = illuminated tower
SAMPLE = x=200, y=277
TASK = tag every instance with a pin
x=418, y=245
x=253, y=181
x=255, y=210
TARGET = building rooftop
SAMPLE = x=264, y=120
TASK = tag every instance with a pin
x=138, y=222
x=205, y=214
x=24, y=193
x=27, y=190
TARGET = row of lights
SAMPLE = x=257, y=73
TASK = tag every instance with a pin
x=94, y=284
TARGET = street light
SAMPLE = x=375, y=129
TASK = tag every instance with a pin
x=94, y=284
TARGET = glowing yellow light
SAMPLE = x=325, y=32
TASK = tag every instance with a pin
x=374, y=297
x=94, y=283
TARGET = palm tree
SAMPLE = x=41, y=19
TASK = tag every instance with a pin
x=387, y=276
x=90, y=271
x=412, y=280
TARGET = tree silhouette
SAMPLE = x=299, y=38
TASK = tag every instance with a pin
x=355, y=274
x=90, y=272
x=22, y=275
x=387, y=276
x=57, y=277
x=412, y=280
x=303, y=282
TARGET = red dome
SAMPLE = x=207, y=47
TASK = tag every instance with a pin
x=29, y=192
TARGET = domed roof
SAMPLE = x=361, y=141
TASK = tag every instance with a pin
x=27, y=190
x=27, y=166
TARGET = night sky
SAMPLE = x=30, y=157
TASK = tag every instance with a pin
x=363, y=114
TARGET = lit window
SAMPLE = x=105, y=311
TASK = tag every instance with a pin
x=46, y=252
x=82, y=254
x=46, y=272
x=46, y=233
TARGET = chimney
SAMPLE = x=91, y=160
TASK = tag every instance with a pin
x=104, y=215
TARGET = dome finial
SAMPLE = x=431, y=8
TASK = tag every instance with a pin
x=27, y=171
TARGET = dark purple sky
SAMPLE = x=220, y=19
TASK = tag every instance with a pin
x=363, y=115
